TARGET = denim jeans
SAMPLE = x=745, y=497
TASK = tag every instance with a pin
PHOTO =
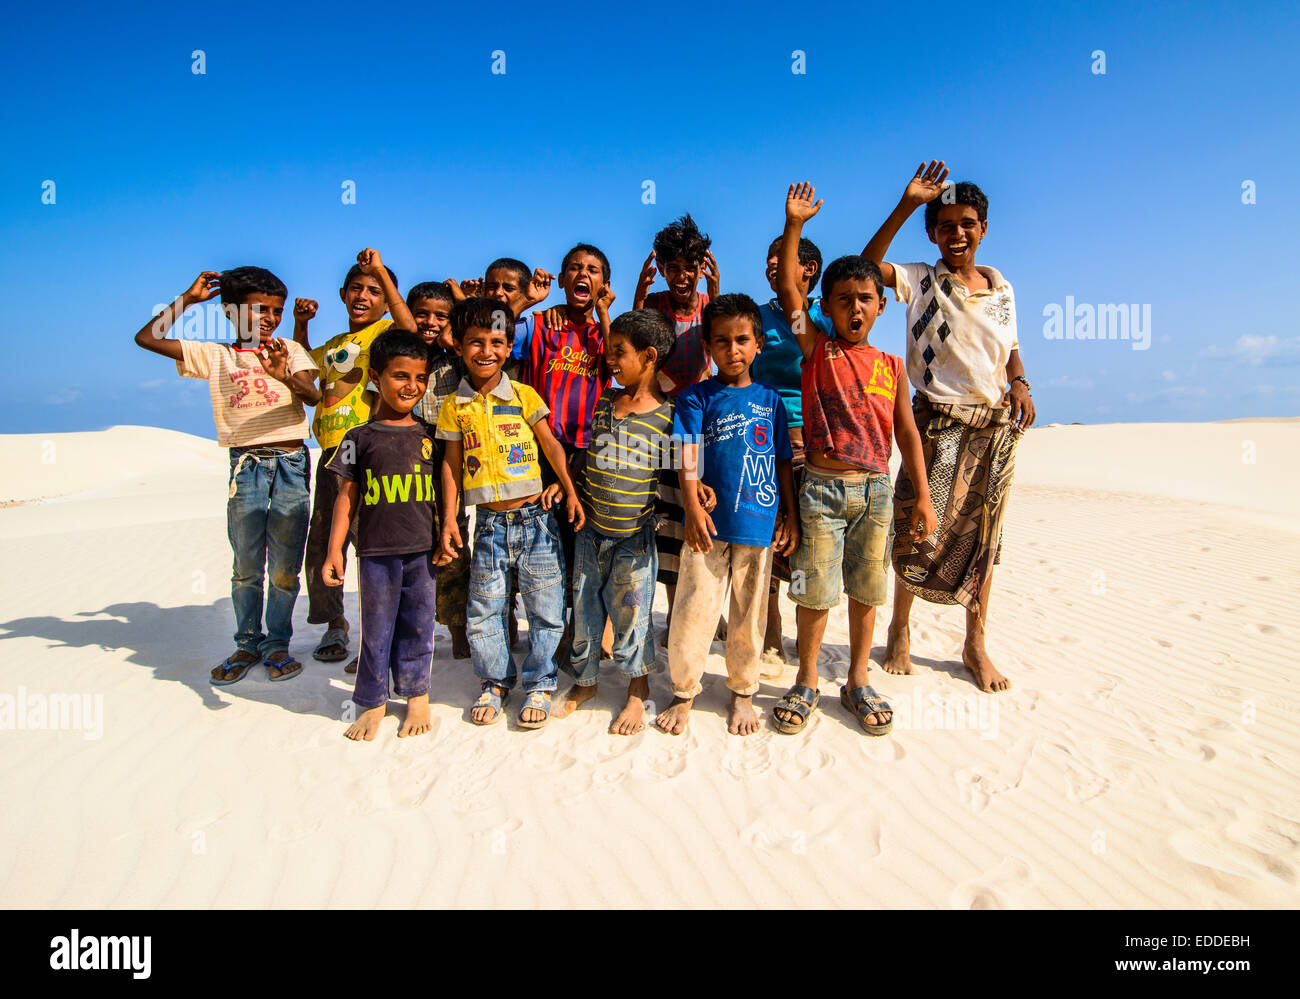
x=266, y=520
x=397, y=604
x=528, y=541
x=847, y=524
x=614, y=578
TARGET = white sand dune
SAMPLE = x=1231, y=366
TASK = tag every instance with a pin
x=1148, y=754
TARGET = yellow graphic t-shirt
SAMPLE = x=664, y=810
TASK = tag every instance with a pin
x=501, y=459
x=346, y=394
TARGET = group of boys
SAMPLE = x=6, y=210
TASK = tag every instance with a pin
x=698, y=440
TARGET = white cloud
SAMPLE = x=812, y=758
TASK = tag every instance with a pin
x=1256, y=350
x=63, y=397
x=1169, y=376
x=156, y=383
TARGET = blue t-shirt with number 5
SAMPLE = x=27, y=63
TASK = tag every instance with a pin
x=742, y=433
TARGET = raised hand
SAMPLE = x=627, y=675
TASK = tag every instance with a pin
x=539, y=287
x=712, y=281
x=648, y=274
x=799, y=204
x=605, y=299
x=205, y=287
x=274, y=358
x=304, y=310
x=927, y=183
x=472, y=287
x=369, y=262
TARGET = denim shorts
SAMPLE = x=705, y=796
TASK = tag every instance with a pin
x=846, y=530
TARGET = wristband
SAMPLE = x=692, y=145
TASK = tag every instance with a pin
x=1022, y=378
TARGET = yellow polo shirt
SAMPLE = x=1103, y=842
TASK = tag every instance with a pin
x=501, y=458
x=346, y=393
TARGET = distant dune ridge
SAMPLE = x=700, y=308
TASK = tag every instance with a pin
x=1146, y=756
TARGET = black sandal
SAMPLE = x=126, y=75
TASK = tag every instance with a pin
x=864, y=701
x=799, y=701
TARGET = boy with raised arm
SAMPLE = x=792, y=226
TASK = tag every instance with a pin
x=851, y=410
x=258, y=387
x=972, y=404
x=369, y=292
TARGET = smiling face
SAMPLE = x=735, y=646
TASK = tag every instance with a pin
x=957, y=233
x=433, y=321
x=809, y=268
x=255, y=319
x=402, y=383
x=485, y=352
x=628, y=365
x=363, y=297
x=582, y=280
x=733, y=345
x=852, y=306
x=682, y=277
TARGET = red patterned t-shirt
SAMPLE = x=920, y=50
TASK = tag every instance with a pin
x=848, y=402
x=567, y=368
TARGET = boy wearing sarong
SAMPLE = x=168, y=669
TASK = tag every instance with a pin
x=971, y=405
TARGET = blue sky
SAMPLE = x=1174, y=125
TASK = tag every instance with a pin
x=1122, y=188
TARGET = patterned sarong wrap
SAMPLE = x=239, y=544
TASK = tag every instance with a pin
x=970, y=458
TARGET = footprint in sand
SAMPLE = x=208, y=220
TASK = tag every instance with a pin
x=805, y=763
x=547, y=759
x=748, y=756
x=668, y=762
x=1001, y=888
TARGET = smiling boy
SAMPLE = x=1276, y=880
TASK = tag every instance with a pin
x=387, y=470
x=494, y=429
x=972, y=404
x=369, y=291
x=258, y=387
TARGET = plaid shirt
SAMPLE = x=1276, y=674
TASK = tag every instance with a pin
x=444, y=376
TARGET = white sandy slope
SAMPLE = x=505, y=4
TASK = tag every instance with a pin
x=1148, y=754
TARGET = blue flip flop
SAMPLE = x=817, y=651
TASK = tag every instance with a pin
x=281, y=664
x=228, y=665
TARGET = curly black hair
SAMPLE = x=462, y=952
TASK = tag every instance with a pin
x=681, y=240
x=731, y=306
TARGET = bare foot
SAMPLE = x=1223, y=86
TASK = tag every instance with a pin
x=417, y=717
x=459, y=642
x=898, y=653
x=742, y=719
x=573, y=697
x=982, y=670
x=673, y=719
x=235, y=665
x=367, y=724
x=631, y=719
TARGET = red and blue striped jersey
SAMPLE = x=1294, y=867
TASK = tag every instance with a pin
x=567, y=369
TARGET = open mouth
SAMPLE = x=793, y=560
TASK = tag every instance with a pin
x=855, y=325
x=581, y=290
x=357, y=309
x=957, y=248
